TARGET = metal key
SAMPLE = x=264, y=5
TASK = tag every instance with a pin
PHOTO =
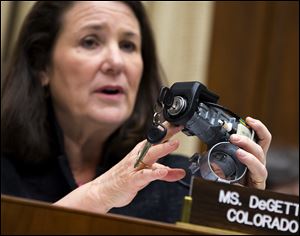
x=155, y=135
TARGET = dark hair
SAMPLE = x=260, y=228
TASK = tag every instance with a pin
x=25, y=126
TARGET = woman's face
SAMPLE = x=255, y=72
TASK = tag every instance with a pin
x=96, y=63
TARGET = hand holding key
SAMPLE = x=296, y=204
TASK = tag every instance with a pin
x=154, y=136
x=120, y=184
x=157, y=132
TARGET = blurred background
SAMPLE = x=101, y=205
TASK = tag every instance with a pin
x=246, y=52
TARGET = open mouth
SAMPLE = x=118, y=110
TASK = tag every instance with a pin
x=110, y=90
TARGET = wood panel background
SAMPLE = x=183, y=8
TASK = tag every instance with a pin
x=254, y=64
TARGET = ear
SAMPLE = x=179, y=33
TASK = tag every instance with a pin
x=44, y=78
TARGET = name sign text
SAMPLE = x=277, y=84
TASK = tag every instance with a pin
x=243, y=209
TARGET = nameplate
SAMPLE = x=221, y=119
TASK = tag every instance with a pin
x=243, y=209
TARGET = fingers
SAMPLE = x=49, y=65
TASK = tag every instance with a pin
x=262, y=132
x=143, y=177
x=172, y=130
x=173, y=174
x=160, y=150
x=252, y=154
x=137, y=148
x=258, y=172
x=259, y=150
x=154, y=171
x=249, y=146
x=153, y=154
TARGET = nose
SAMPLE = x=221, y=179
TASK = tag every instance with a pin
x=113, y=63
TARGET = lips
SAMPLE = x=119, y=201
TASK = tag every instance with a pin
x=110, y=90
x=110, y=93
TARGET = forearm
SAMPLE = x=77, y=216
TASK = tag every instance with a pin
x=119, y=185
x=84, y=198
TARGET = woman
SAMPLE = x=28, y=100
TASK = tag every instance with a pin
x=77, y=99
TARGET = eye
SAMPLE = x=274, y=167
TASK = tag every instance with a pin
x=128, y=46
x=89, y=42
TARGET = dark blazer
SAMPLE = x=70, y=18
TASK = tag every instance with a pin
x=52, y=180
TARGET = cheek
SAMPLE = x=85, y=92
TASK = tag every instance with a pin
x=136, y=76
x=73, y=71
x=69, y=84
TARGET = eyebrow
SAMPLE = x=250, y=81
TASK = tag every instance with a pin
x=94, y=27
x=100, y=27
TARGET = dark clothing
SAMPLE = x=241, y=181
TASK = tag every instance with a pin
x=51, y=180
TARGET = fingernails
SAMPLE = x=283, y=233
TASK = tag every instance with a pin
x=234, y=138
x=173, y=142
x=161, y=171
x=250, y=120
x=241, y=153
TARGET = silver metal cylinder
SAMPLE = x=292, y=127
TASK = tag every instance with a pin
x=178, y=106
x=220, y=164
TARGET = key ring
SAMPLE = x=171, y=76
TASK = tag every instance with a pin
x=158, y=107
x=156, y=118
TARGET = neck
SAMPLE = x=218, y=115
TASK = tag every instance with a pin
x=83, y=156
x=83, y=144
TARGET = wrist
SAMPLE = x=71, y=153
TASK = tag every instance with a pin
x=87, y=197
x=96, y=197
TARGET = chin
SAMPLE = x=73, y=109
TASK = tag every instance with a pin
x=114, y=121
x=111, y=118
x=114, y=116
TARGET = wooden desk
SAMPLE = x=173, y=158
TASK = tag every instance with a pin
x=22, y=216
